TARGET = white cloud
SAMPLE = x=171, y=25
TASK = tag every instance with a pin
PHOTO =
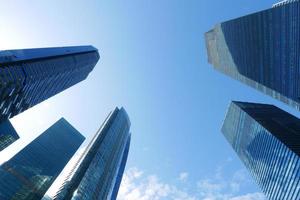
x=209, y=186
x=136, y=185
x=219, y=188
x=238, y=178
x=252, y=196
x=183, y=176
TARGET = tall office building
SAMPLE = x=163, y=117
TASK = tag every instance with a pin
x=267, y=141
x=98, y=173
x=29, y=174
x=261, y=50
x=30, y=76
x=8, y=134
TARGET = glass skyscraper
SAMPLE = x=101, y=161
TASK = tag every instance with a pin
x=29, y=174
x=267, y=141
x=98, y=173
x=8, y=134
x=261, y=50
x=30, y=76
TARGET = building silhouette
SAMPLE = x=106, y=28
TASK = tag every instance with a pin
x=267, y=141
x=29, y=174
x=261, y=50
x=98, y=173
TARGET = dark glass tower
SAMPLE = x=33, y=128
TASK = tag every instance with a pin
x=120, y=171
x=267, y=140
x=30, y=76
x=261, y=50
x=8, y=134
x=29, y=174
x=98, y=173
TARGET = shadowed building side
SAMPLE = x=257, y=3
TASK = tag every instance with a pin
x=8, y=134
x=121, y=171
x=98, y=173
x=267, y=141
x=30, y=76
x=30, y=173
x=261, y=50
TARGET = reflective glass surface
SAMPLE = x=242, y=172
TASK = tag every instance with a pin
x=99, y=172
x=30, y=76
x=8, y=134
x=261, y=136
x=30, y=173
x=261, y=50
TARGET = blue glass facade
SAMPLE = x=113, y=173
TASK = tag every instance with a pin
x=267, y=141
x=98, y=173
x=261, y=50
x=120, y=171
x=29, y=174
x=30, y=76
x=8, y=134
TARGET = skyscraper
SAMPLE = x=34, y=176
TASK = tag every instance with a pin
x=261, y=50
x=30, y=76
x=267, y=141
x=98, y=173
x=8, y=134
x=29, y=174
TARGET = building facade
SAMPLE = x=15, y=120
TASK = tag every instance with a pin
x=261, y=50
x=8, y=134
x=29, y=174
x=120, y=172
x=267, y=141
x=98, y=173
x=30, y=76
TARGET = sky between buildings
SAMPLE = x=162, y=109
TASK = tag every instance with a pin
x=154, y=63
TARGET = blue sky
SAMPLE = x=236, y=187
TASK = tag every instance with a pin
x=154, y=63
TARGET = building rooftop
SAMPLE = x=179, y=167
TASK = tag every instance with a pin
x=284, y=2
x=8, y=56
